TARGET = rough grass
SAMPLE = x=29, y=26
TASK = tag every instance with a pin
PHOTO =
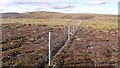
x=51, y=22
x=58, y=19
x=99, y=25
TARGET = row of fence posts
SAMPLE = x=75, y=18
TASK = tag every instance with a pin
x=70, y=32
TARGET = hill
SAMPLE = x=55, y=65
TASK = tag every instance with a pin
x=97, y=21
x=52, y=15
x=9, y=15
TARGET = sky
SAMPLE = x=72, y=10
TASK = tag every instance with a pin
x=64, y=6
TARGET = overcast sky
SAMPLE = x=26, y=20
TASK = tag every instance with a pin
x=64, y=6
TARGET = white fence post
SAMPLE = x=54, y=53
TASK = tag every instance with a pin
x=73, y=29
x=64, y=29
x=50, y=55
x=68, y=32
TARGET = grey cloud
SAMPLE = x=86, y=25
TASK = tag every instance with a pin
x=39, y=8
x=2, y=10
x=62, y=6
x=30, y=3
x=103, y=3
x=47, y=1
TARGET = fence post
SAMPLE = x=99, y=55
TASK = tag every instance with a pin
x=75, y=27
x=68, y=32
x=73, y=30
x=50, y=55
x=64, y=29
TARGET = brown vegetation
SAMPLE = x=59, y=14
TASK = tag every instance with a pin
x=90, y=47
x=25, y=39
x=27, y=45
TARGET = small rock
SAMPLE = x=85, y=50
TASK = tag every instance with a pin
x=42, y=38
x=78, y=39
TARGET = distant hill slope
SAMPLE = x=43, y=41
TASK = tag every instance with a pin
x=52, y=15
x=9, y=15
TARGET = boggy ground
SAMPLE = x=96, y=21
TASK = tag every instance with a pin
x=27, y=44
x=90, y=47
